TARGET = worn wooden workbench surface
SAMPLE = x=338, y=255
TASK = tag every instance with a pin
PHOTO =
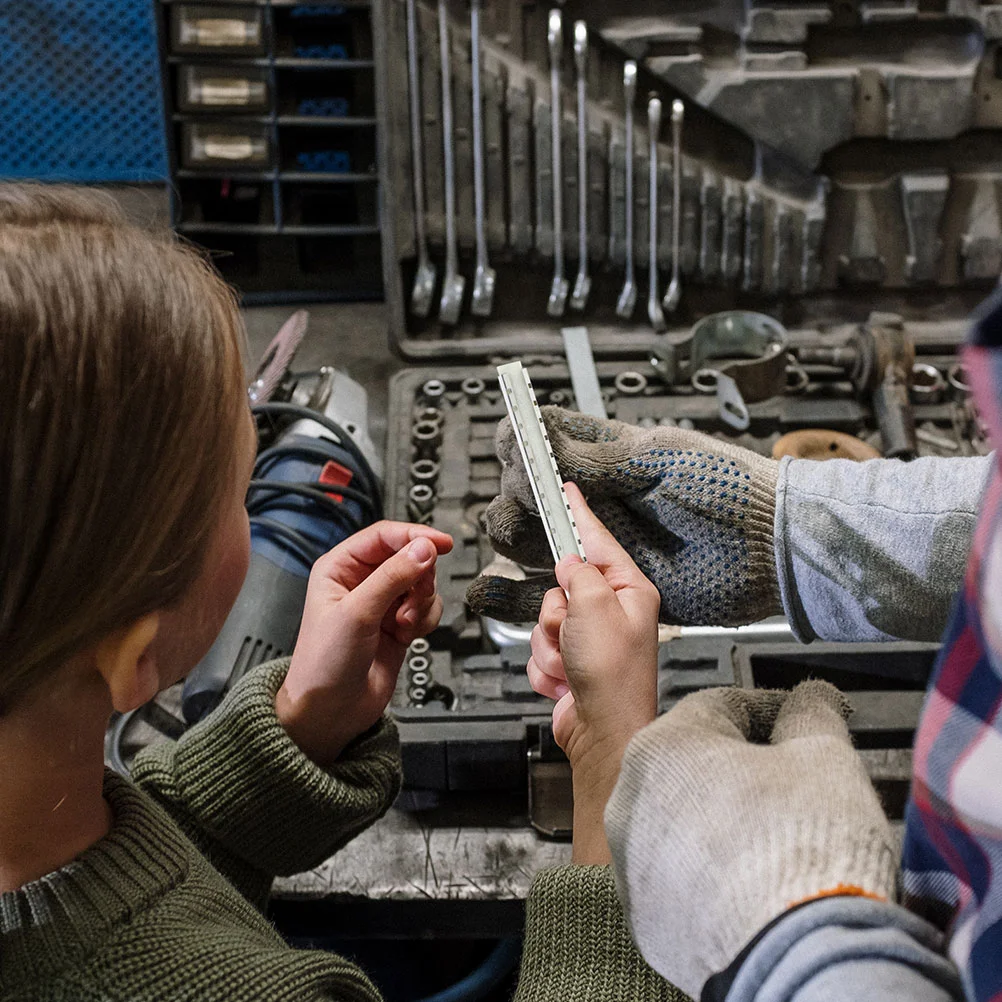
x=478, y=849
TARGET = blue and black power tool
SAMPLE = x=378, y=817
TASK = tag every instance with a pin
x=312, y=488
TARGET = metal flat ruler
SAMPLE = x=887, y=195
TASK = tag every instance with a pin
x=534, y=445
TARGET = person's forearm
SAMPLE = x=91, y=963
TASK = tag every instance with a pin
x=841, y=948
x=577, y=945
x=874, y=551
x=252, y=801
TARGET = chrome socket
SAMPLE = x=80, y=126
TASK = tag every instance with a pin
x=472, y=388
x=630, y=384
x=433, y=391
x=425, y=471
x=928, y=385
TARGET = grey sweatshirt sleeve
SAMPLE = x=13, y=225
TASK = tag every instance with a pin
x=843, y=948
x=874, y=551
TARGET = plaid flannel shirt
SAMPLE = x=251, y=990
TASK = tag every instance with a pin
x=952, y=861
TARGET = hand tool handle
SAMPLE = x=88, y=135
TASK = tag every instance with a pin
x=451, y=255
x=480, y=208
x=581, y=65
x=555, y=39
x=629, y=97
x=417, y=146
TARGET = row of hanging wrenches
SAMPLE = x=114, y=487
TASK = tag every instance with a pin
x=485, y=277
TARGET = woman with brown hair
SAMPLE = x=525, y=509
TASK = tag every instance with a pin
x=125, y=452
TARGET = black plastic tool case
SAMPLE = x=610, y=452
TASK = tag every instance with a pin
x=818, y=242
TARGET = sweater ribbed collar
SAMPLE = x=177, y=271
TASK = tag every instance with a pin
x=61, y=918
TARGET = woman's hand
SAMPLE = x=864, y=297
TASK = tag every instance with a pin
x=595, y=651
x=368, y=599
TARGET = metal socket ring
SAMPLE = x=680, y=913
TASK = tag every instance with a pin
x=425, y=471
x=957, y=379
x=417, y=693
x=797, y=379
x=705, y=380
x=630, y=384
x=928, y=384
x=421, y=494
x=427, y=433
x=420, y=646
x=557, y=398
x=472, y=388
x=420, y=678
x=432, y=414
x=433, y=389
x=418, y=663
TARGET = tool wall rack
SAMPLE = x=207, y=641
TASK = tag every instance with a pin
x=835, y=159
x=467, y=716
x=271, y=117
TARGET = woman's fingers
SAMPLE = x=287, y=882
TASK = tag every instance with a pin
x=553, y=612
x=546, y=654
x=545, y=685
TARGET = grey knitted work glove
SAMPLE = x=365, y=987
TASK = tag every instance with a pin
x=695, y=514
x=730, y=809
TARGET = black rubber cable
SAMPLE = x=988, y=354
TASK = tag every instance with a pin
x=344, y=440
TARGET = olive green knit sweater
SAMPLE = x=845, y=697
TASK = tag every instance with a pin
x=165, y=908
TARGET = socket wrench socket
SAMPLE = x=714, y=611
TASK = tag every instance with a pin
x=420, y=646
x=420, y=679
x=433, y=391
x=427, y=436
x=928, y=384
x=957, y=379
x=630, y=384
x=418, y=663
x=472, y=387
x=425, y=471
x=422, y=497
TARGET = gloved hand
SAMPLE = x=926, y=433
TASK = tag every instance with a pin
x=730, y=809
x=695, y=514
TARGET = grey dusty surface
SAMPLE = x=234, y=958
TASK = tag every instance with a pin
x=350, y=336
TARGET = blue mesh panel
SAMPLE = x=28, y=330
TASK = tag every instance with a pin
x=80, y=91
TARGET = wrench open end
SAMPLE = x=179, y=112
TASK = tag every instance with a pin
x=452, y=299
x=424, y=290
x=558, y=297
x=482, y=303
x=627, y=302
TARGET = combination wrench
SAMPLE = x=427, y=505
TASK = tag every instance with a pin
x=559, y=289
x=485, y=277
x=654, y=313
x=628, y=297
x=453, y=284
x=582, y=285
x=674, y=293
x=424, y=280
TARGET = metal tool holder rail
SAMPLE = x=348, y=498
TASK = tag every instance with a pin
x=272, y=133
x=783, y=213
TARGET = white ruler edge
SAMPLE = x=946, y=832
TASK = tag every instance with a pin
x=534, y=445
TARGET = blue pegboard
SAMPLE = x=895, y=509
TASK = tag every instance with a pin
x=80, y=95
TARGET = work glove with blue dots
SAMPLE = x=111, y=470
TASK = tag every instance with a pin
x=695, y=513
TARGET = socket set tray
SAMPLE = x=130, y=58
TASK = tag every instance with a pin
x=467, y=717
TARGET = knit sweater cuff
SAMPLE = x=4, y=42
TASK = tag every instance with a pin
x=577, y=945
x=246, y=784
